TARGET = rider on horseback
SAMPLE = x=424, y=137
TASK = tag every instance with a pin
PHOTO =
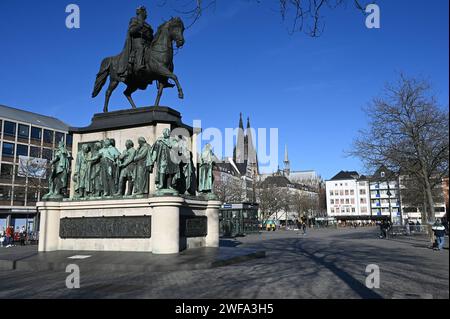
x=139, y=40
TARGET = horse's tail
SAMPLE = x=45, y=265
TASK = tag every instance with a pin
x=101, y=76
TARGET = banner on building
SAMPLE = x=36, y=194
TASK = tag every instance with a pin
x=32, y=167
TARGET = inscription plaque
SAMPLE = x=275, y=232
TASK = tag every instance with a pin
x=106, y=227
x=193, y=226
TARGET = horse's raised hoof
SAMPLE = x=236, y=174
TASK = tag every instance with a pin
x=181, y=95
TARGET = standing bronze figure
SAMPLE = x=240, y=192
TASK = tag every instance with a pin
x=58, y=178
x=142, y=170
x=95, y=186
x=82, y=172
x=161, y=155
x=127, y=169
x=144, y=59
x=205, y=172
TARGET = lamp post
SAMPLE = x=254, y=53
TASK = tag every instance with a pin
x=389, y=199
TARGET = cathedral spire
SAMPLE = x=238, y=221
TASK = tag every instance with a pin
x=239, y=154
x=241, y=122
x=287, y=164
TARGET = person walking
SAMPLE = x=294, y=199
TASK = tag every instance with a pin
x=439, y=234
x=8, y=237
x=23, y=236
x=304, y=228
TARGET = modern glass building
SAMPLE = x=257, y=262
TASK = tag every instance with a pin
x=27, y=142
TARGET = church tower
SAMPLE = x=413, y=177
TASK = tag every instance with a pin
x=287, y=163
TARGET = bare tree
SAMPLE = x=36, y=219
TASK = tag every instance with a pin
x=269, y=198
x=228, y=188
x=300, y=15
x=409, y=133
x=414, y=196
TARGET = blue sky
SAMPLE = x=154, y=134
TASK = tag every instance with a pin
x=238, y=58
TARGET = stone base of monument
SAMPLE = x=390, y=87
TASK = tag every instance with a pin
x=161, y=225
x=192, y=259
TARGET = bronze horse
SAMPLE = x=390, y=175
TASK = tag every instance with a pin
x=158, y=66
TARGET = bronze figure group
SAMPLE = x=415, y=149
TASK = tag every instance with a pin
x=102, y=171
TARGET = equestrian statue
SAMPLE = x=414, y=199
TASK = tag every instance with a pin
x=146, y=58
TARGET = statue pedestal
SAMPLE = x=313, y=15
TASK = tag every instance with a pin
x=161, y=225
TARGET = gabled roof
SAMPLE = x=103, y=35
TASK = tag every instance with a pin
x=383, y=170
x=33, y=118
x=344, y=175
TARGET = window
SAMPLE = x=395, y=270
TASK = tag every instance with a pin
x=24, y=131
x=352, y=201
x=48, y=137
x=362, y=192
x=383, y=174
x=36, y=133
x=352, y=192
x=6, y=173
x=59, y=137
x=364, y=209
x=47, y=154
x=332, y=201
x=9, y=128
x=22, y=150
x=353, y=210
x=332, y=210
x=69, y=140
x=342, y=201
x=331, y=193
x=341, y=192
x=347, y=201
x=5, y=194
x=35, y=152
x=8, y=150
x=19, y=196
x=362, y=200
x=32, y=196
x=346, y=192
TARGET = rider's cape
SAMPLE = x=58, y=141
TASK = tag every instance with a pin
x=125, y=54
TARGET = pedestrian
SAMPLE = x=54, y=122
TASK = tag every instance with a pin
x=382, y=229
x=8, y=237
x=439, y=233
x=23, y=236
x=304, y=228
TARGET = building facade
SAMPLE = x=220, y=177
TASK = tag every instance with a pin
x=348, y=196
x=351, y=196
x=385, y=195
x=27, y=142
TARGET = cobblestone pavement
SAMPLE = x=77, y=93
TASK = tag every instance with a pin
x=326, y=263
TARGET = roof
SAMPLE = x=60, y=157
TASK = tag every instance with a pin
x=280, y=181
x=379, y=176
x=345, y=175
x=32, y=118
